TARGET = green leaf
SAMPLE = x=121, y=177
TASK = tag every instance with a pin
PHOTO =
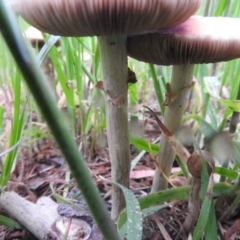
x=205, y=211
x=148, y=211
x=157, y=87
x=221, y=7
x=157, y=198
x=204, y=126
x=87, y=123
x=225, y=172
x=236, y=153
x=137, y=159
x=8, y=222
x=180, y=193
x=46, y=48
x=17, y=126
x=134, y=215
x=144, y=145
x=204, y=177
x=232, y=104
x=211, y=227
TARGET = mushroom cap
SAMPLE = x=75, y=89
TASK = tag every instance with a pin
x=103, y=17
x=194, y=163
x=198, y=40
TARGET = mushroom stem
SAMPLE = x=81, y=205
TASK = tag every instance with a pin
x=181, y=78
x=114, y=68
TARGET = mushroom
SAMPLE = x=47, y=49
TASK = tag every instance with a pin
x=111, y=21
x=194, y=164
x=198, y=40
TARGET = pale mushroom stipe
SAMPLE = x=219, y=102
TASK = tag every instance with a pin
x=197, y=40
x=111, y=20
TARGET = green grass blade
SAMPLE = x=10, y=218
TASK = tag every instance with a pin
x=211, y=227
x=234, y=105
x=222, y=4
x=17, y=126
x=56, y=59
x=157, y=87
x=204, y=126
x=228, y=173
x=144, y=145
x=46, y=48
x=204, y=213
x=137, y=159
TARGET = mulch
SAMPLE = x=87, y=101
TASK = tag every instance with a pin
x=41, y=168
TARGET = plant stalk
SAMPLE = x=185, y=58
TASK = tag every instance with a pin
x=181, y=80
x=114, y=68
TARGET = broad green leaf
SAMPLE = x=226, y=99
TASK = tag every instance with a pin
x=134, y=215
x=180, y=193
x=146, y=212
x=8, y=222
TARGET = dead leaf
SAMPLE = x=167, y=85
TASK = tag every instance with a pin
x=99, y=85
x=234, y=229
x=179, y=148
